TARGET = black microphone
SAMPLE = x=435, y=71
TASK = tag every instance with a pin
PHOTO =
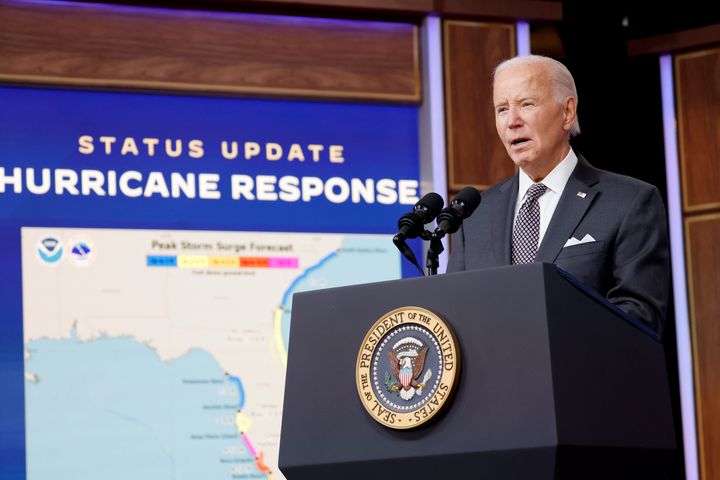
x=452, y=216
x=412, y=225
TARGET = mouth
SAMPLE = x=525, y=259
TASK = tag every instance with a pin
x=519, y=142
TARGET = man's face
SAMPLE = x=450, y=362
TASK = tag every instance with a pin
x=531, y=123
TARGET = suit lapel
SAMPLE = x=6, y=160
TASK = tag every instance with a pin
x=570, y=210
x=502, y=224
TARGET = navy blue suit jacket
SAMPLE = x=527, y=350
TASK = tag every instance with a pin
x=628, y=263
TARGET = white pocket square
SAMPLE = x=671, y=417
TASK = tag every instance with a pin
x=574, y=241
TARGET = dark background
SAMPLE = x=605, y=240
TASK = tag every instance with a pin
x=619, y=106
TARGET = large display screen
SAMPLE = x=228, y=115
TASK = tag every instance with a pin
x=150, y=247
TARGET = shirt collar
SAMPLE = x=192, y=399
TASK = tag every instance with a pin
x=556, y=180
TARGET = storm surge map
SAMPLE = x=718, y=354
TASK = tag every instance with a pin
x=160, y=354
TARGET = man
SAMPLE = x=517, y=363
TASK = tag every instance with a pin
x=607, y=230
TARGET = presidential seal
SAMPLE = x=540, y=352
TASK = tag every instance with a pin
x=407, y=368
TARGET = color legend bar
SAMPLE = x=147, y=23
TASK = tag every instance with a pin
x=207, y=261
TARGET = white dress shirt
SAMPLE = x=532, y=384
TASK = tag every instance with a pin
x=555, y=182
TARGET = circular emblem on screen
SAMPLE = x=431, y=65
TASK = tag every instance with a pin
x=407, y=367
x=82, y=251
x=49, y=250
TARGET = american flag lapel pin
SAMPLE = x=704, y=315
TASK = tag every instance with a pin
x=581, y=194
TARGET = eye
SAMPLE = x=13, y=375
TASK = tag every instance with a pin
x=500, y=110
x=527, y=105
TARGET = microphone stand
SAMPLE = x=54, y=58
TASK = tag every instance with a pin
x=436, y=248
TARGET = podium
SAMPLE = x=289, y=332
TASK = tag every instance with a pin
x=555, y=383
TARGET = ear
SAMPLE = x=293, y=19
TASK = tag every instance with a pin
x=569, y=112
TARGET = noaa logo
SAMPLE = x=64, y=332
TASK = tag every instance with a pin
x=407, y=367
x=82, y=251
x=49, y=250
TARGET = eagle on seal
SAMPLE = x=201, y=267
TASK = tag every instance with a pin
x=407, y=362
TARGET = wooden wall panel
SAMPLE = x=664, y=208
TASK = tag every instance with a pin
x=371, y=6
x=497, y=10
x=151, y=48
x=475, y=154
x=694, y=38
x=503, y=9
x=702, y=237
x=698, y=99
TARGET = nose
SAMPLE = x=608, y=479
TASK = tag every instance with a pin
x=514, y=118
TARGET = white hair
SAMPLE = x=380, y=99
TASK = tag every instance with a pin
x=562, y=79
